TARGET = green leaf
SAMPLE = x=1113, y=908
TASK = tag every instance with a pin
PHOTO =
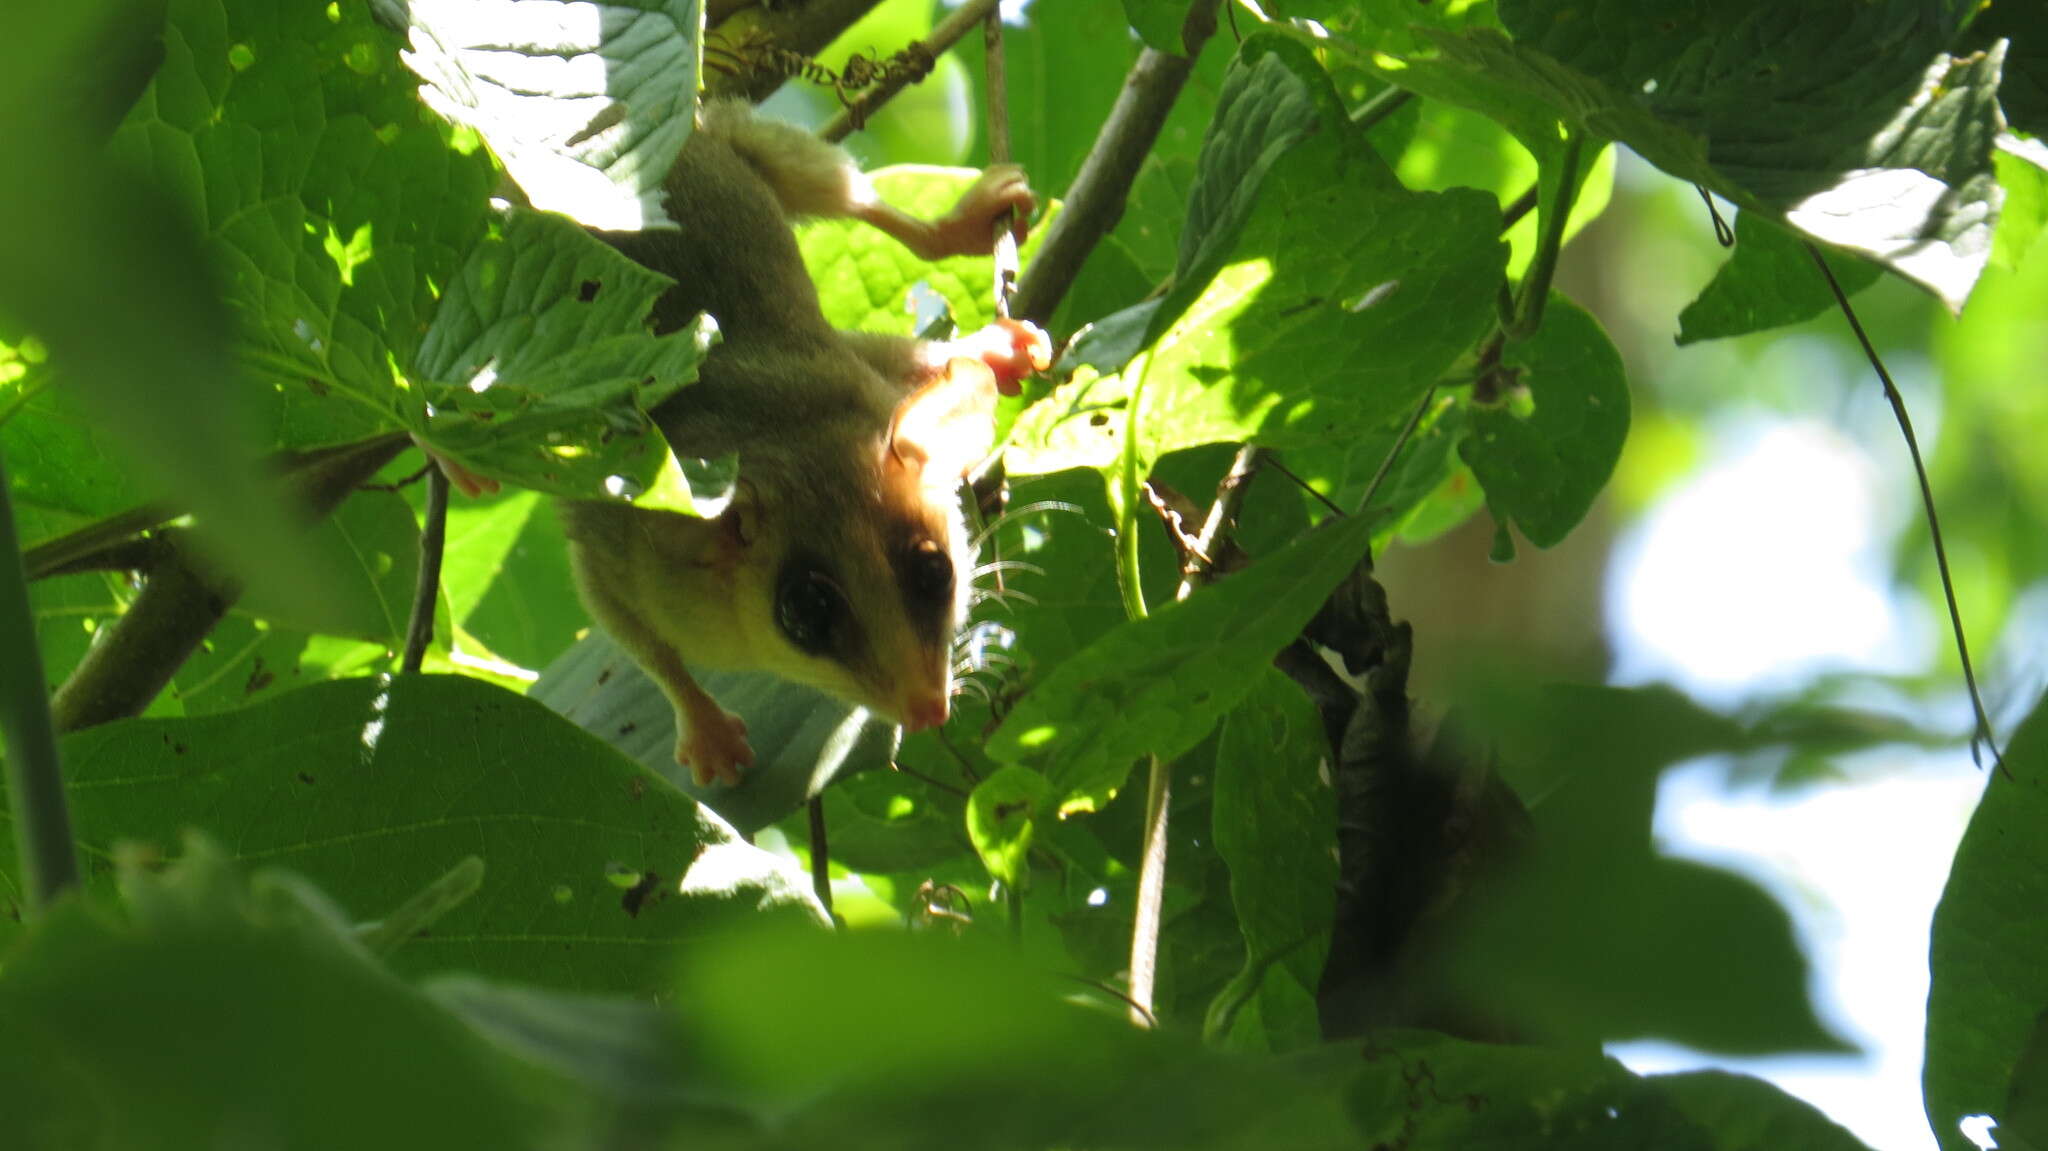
x=1315, y=298
x=1599, y=937
x=334, y=210
x=164, y=1031
x=1158, y=685
x=587, y=105
x=2023, y=173
x=107, y=269
x=2023, y=1124
x=414, y=774
x=1275, y=822
x=1989, y=985
x=1768, y=283
x=1002, y=820
x=1005, y=1059
x=1432, y=1091
x=1158, y=23
x=864, y=277
x=1545, y=449
x=505, y=573
x=2024, y=93
x=1847, y=120
x=1739, y=1113
x=539, y=368
x=802, y=738
x=371, y=545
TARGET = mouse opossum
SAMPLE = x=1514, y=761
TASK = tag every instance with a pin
x=842, y=561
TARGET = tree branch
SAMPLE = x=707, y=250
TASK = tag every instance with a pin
x=35, y=777
x=184, y=598
x=947, y=33
x=1096, y=200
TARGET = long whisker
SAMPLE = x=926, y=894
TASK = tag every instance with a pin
x=961, y=687
x=994, y=566
x=1001, y=597
x=1032, y=508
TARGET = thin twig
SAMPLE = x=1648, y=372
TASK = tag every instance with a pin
x=1221, y=522
x=1145, y=1015
x=60, y=555
x=34, y=773
x=821, y=853
x=1145, y=920
x=997, y=97
x=419, y=629
x=181, y=601
x=927, y=780
x=1983, y=733
x=1401, y=441
x=1383, y=104
x=948, y=33
x=1273, y=461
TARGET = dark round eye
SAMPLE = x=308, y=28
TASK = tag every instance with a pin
x=928, y=575
x=807, y=607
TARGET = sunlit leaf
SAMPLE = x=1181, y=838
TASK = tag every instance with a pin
x=1158, y=685
x=587, y=104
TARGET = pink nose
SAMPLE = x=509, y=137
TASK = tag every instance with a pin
x=931, y=711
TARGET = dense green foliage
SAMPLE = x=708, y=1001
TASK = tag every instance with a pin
x=272, y=240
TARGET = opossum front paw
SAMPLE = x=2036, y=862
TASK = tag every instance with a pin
x=1012, y=349
x=969, y=229
x=713, y=745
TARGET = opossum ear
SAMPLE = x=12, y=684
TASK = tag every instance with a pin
x=947, y=425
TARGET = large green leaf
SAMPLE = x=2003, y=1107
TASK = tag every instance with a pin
x=802, y=738
x=1989, y=954
x=506, y=577
x=334, y=211
x=1157, y=685
x=1848, y=120
x=1314, y=297
x=1545, y=449
x=369, y=786
x=1275, y=823
x=865, y=278
x=539, y=368
x=586, y=104
x=1769, y=282
x=225, y=1010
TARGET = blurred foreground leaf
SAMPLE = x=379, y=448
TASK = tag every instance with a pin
x=221, y=1010
x=1598, y=936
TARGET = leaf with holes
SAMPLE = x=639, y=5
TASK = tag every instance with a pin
x=368, y=785
x=1314, y=298
x=539, y=366
x=1545, y=449
x=1002, y=820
